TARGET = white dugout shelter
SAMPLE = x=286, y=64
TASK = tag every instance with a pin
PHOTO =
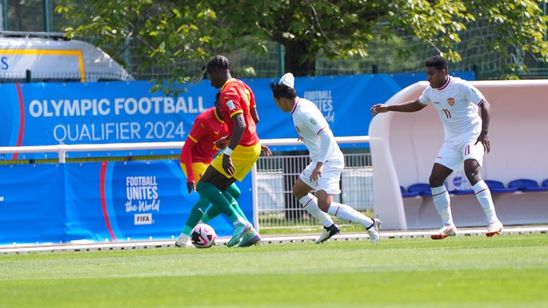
x=404, y=146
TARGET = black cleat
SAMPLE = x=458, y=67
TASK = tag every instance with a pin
x=327, y=233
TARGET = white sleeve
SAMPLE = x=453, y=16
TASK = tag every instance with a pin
x=325, y=144
x=315, y=122
x=472, y=94
x=424, y=98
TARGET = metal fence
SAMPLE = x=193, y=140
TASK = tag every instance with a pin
x=278, y=208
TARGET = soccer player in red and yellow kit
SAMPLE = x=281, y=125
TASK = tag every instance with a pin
x=208, y=134
x=237, y=106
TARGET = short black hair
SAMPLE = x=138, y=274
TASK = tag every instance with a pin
x=218, y=62
x=281, y=90
x=437, y=62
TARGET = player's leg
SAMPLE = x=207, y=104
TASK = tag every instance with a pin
x=211, y=185
x=346, y=212
x=213, y=211
x=197, y=209
x=473, y=155
x=309, y=202
x=193, y=218
x=327, y=186
x=440, y=198
x=234, y=191
x=449, y=158
x=216, y=180
x=244, y=158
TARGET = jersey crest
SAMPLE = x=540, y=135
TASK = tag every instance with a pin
x=451, y=101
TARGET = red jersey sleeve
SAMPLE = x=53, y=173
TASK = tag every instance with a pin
x=231, y=103
x=198, y=130
x=186, y=159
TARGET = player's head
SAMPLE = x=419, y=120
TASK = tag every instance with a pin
x=218, y=70
x=284, y=92
x=436, y=70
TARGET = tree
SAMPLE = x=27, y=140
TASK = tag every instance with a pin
x=169, y=31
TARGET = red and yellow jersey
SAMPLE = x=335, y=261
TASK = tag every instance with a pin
x=237, y=97
x=200, y=144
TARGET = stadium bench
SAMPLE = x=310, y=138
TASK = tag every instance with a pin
x=526, y=185
x=422, y=189
x=408, y=194
x=498, y=187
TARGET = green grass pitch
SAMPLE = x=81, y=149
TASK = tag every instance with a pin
x=465, y=271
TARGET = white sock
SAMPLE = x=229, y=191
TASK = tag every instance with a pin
x=310, y=204
x=440, y=197
x=483, y=194
x=345, y=212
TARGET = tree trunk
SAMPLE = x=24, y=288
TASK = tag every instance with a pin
x=299, y=58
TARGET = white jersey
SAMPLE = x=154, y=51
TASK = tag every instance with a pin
x=309, y=122
x=457, y=104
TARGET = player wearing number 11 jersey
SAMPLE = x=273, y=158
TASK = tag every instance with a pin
x=457, y=103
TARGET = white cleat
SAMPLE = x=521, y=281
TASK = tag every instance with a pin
x=373, y=231
x=494, y=229
x=445, y=231
x=183, y=242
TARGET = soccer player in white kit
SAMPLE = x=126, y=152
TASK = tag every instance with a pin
x=323, y=174
x=465, y=142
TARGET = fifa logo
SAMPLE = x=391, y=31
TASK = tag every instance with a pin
x=142, y=219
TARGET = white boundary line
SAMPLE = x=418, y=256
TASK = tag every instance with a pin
x=152, y=244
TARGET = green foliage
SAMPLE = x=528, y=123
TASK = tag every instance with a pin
x=168, y=32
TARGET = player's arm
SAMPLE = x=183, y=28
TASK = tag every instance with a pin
x=237, y=133
x=413, y=106
x=254, y=114
x=485, y=112
x=325, y=135
x=253, y=107
x=186, y=160
x=196, y=133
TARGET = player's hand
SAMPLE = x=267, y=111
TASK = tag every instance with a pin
x=191, y=186
x=222, y=143
x=379, y=108
x=228, y=166
x=485, y=141
x=317, y=172
x=266, y=150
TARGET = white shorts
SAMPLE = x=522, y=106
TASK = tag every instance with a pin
x=453, y=155
x=329, y=180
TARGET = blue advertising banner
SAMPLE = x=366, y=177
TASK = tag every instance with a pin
x=134, y=200
x=100, y=201
x=32, y=207
x=127, y=112
x=97, y=113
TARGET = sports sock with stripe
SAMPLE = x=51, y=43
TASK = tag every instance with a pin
x=483, y=194
x=441, y=200
x=345, y=212
x=310, y=204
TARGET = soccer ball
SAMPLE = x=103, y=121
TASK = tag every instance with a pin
x=203, y=236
